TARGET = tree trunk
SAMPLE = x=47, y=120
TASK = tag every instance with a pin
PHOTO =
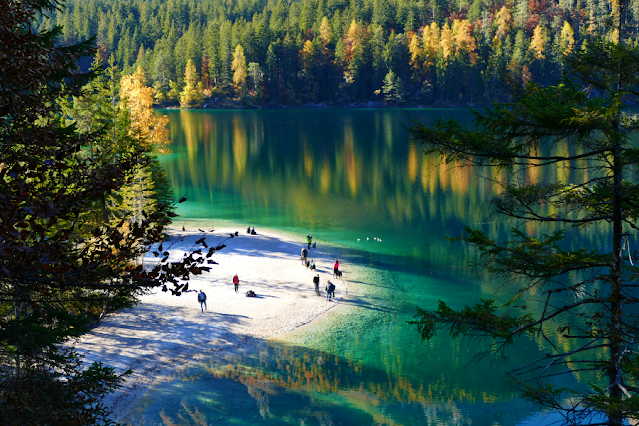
x=615, y=417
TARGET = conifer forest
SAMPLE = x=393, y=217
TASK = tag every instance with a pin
x=336, y=52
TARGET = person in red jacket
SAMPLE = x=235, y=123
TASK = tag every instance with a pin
x=336, y=267
x=236, y=282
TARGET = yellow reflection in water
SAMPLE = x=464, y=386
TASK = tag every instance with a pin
x=350, y=158
x=412, y=164
x=461, y=178
x=308, y=159
x=190, y=128
x=240, y=146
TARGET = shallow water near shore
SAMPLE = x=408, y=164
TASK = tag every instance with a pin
x=372, y=200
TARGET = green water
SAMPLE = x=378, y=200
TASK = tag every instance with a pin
x=350, y=178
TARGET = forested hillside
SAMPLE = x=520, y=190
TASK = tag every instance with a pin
x=337, y=51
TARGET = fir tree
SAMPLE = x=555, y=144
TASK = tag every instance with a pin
x=393, y=88
x=590, y=291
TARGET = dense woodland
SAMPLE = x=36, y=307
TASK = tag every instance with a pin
x=267, y=52
x=82, y=199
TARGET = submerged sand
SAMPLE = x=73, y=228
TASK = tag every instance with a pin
x=165, y=331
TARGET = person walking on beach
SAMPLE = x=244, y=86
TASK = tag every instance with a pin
x=236, y=282
x=309, y=240
x=330, y=290
x=303, y=256
x=336, y=267
x=201, y=297
x=316, y=281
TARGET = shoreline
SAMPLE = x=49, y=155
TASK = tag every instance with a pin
x=365, y=106
x=164, y=331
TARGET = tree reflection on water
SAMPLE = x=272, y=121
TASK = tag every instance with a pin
x=273, y=383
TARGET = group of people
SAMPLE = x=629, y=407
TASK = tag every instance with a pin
x=310, y=264
x=330, y=287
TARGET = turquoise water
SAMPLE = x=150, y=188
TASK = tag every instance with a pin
x=352, y=179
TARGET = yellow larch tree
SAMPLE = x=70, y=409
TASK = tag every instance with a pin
x=503, y=19
x=192, y=94
x=151, y=129
x=430, y=43
x=354, y=51
x=592, y=27
x=463, y=39
x=446, y=41
x=239, y=71
x=538, y=43
x=567, y=38
x=416, y=54
x=496, y=43
x=307, y=55
x=326, y=34
x=354, y=36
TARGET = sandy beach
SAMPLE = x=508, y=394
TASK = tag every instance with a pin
x=165, y=331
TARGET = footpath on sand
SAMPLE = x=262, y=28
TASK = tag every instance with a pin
x=164, y=331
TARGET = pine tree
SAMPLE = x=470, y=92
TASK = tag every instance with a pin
x=134, y=200
x=591, y=292
x=521, y=14
x=393, y=88
x=257, y=76
x=376, y=45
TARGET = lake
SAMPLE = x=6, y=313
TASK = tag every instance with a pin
x=352, y=179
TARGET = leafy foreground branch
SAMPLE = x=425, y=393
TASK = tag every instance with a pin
x=61, y=264
x=580, y=304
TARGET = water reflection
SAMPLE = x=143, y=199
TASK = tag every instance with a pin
x=273, y=383
x=316, y=170
x=300, y=167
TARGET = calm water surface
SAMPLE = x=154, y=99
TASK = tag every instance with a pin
x=349, y=177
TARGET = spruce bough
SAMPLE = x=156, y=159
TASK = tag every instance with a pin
x=582, y=124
